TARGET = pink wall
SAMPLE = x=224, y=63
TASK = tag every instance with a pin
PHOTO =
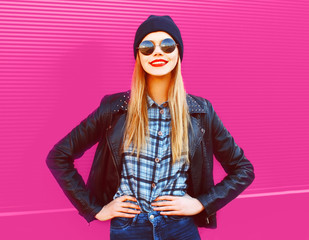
x=249, y=58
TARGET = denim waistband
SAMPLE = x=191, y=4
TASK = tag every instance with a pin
x=148, y=216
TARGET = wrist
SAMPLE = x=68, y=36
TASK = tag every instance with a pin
x=100, y=212
x=200, y=207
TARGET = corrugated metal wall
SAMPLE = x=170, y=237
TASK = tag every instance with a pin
x=58, y=58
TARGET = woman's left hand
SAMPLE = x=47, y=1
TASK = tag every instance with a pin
x=178, y=205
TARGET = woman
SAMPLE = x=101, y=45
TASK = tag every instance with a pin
x=152, y=170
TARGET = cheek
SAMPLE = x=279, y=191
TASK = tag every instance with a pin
x=143, y=59
x=174, y=60
x=175, y=57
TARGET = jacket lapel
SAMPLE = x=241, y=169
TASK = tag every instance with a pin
x=116, y=132
x=114, y=138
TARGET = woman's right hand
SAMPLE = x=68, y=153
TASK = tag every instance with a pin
x=118, y=208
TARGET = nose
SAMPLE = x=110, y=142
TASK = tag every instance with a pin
x=158, y=51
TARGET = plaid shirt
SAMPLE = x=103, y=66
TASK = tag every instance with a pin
x=153, y=175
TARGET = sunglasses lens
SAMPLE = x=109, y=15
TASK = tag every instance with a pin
x=168, y=45
x=146, y=47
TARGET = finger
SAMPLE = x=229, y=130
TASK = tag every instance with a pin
x=166, y=197
x=171, y=213
x=130, y=205
x=163, y=203
x=128, y=210
x=127, y=197
x=170, y=208
x=119, y=214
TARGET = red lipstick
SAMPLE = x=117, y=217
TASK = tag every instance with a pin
x=158, y=62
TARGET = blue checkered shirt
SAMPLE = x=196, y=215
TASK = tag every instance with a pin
x=153, y=175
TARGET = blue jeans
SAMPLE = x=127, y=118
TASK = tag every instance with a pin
x=154, y=226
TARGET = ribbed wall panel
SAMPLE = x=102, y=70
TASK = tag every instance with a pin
x=59, y=58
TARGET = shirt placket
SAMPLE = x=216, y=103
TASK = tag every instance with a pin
x=162, y=125
x=158, y=152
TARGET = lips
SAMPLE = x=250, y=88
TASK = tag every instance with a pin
x=158, y=62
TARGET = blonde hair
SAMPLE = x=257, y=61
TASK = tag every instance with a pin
x=136, y=127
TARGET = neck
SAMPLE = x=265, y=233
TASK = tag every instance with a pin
x=157, y=87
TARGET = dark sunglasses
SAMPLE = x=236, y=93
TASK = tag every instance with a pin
x=167, y=45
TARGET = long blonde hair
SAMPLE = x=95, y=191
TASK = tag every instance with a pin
x=136, y=127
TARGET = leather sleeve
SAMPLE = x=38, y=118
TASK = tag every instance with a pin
x=240, y=172
x=60, y=161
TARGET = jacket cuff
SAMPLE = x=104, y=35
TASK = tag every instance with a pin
x=204, y=201
x=91, y=216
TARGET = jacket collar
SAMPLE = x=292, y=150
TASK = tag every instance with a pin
x=122, y=103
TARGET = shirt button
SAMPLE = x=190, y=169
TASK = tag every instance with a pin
x=161, y=111
x=153, y=185
x=159, y=133
x=151, y=217
x=164, y=104
x=157, y=160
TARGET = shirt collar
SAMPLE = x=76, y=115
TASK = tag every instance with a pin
x=150, y=102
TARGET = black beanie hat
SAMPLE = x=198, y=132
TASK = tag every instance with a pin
x=158, y=23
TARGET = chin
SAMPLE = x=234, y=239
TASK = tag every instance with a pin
x=158, y=73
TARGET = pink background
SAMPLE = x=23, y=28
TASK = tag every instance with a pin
x=249, y=58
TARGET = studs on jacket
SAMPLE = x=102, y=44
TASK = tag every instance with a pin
x=123, y=102
x=192, y=103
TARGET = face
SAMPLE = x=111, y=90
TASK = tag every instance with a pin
x=171, y=58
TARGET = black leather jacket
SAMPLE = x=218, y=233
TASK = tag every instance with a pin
x=105, y=126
